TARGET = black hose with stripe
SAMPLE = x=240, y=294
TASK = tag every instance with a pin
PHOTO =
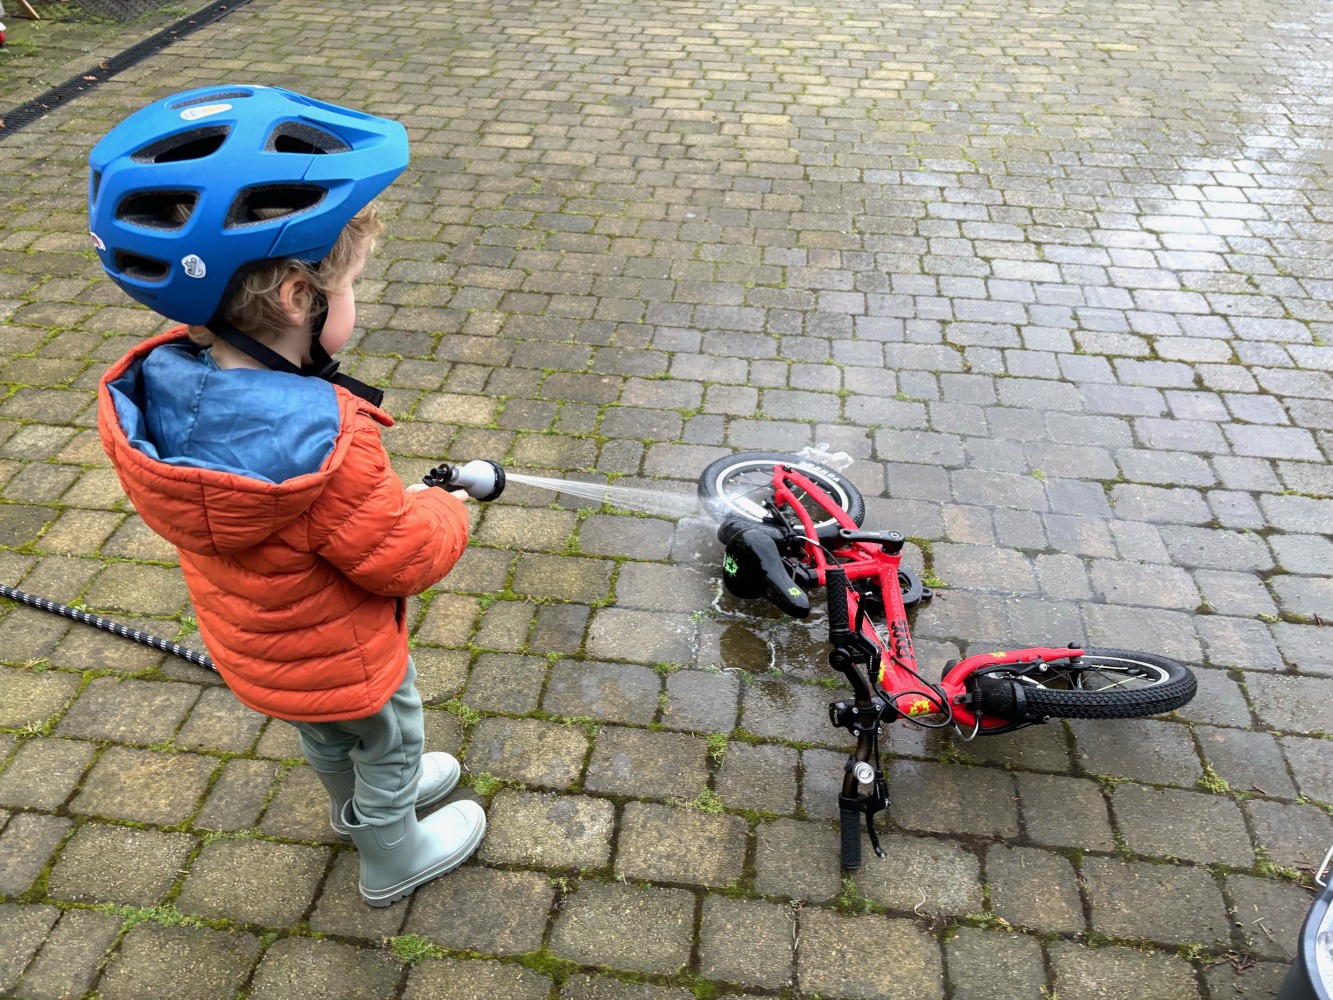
x=107, y=625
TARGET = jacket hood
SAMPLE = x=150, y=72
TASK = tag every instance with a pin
x=215, y=461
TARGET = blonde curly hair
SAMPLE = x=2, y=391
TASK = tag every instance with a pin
x=255, y=307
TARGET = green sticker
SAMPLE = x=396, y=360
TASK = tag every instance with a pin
x=794, y=591
x=729, y=565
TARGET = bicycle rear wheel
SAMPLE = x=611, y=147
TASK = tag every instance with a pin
x=1101, y=684
x=737, y=487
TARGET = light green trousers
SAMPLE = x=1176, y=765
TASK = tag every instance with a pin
x=383, y=749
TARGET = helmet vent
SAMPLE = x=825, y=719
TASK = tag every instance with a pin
x=274, y=201
x=140, y=268
x=158, y=209
x=221, y=95
x=192, y=145
x=97, y=185
x=298, y=137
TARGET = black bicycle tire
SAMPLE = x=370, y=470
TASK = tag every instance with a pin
x=1171, y=693
x=716, y=504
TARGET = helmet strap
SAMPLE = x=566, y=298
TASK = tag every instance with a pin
x=321, y=365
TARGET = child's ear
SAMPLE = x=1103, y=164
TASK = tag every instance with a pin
x=295, y=298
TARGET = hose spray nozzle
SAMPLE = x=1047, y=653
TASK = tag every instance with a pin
x=481, y=479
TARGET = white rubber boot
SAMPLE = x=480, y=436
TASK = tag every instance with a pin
x=398, y=857
x=439, y=777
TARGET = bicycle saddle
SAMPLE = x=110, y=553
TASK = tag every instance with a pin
x=754, y=567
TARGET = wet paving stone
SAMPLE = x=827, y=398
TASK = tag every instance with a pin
x=475, y=979
x=129, y=711
x=1269, y=914
x=1309, y=760
x=1065, y=812
x=117, y=864
x=612, y=692
x=760, y=777
x=1034, y=888
x=625, y=927
x=1290, y=832
x=179, y=963
x=25, y=928
x=556, y=832
x=537, y=754
x=220, y=722
x=1002, y=966
x=921, y=874
x=1164, y=822
x=460, y=912
x=826, y=964
x=647, y=764
x=1093, y=973
x=1143, y=750
x=651, y=837
x=747, y=942
x=1132, y=900
x=237, y=797
x=255, y=881
x=305, y=968
x=30, y=698
x=299, y=809
x=145, y=786
x=798, y=860
x=26, y=845
x=340, y=910
x=702, y=701
x=71, y=956
x=43, y=773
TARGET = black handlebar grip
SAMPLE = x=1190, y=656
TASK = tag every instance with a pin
x=835, y=581
x=850, y=823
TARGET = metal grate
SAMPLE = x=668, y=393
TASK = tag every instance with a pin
x=121, y=10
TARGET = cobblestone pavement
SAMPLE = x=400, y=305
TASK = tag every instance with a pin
x=1057, y=276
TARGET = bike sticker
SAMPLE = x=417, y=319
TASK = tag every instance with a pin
x=919, y=707
x=729, y=566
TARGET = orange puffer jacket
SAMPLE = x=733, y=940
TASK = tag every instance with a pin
x=299, y=582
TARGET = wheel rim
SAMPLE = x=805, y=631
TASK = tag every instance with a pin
x=1097, y=673
x=745, y=486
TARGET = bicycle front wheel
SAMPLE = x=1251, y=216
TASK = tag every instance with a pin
x=738, y=486
x=1100, y=684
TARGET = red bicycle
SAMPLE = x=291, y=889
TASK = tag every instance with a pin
x=791, y=525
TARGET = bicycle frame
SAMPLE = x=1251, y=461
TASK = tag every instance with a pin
x=893, y=659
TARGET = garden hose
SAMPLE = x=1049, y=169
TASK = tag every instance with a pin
x=106, y=624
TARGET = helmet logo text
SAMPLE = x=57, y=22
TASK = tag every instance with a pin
x=194, y=114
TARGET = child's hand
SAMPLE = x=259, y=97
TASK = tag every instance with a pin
x=417, y=487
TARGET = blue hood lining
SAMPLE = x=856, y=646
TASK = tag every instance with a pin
x=178, y=407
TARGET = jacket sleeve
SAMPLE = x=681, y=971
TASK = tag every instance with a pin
x=388, y=541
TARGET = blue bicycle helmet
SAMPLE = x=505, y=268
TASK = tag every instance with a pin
x=181, y=193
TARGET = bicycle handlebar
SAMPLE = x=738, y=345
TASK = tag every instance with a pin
x=835, y=583
x=850, y=825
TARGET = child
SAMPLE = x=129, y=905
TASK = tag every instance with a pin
x=245, y=212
